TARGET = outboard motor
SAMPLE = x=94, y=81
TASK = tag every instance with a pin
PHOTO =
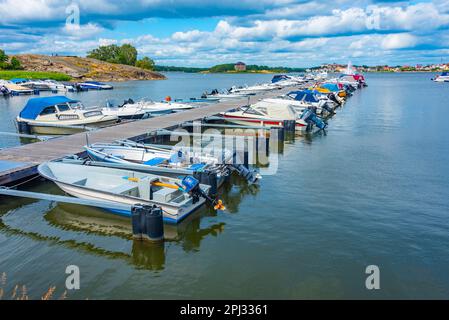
x=324, y=105
x=192, y=186
x=333, y=98
x=310, y=117
x=252, y=176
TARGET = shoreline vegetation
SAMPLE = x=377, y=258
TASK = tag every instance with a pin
x=11, y=74
x=229, y=68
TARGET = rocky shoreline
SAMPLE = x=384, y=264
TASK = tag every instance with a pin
x=84, y=69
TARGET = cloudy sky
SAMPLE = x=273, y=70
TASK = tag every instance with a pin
x=204, y=33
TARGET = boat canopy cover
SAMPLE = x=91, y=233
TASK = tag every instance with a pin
x=35, y=106
x=331, y=86
x=18, y=80
x=306, y=96
x=279, y=77
x=445, y=74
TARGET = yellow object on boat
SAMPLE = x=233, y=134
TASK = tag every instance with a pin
x=133, y=179
x=166, y=185
x=322, y=90
x=342, y=94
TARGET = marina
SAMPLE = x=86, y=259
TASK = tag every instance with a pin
x=194, y=241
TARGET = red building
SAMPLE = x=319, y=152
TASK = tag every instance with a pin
x=240, y=66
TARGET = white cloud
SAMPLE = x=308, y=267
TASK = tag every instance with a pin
x=399, y=41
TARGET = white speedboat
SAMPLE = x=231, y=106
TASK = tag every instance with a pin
x=443, y=77
x=35, y=84
x=127, y=110
x=174, y=196
x=224, y=95
x=95, y=85
x=15, y=89
x=59, y=115
x=164, y=107
x=254, y=89
x=57, y=86
x=300, y=100
x=272, y=115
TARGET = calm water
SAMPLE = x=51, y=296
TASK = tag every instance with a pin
x=372, y=190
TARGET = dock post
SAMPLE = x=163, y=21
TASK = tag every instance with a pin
x=276, y=139
x=289, y=126
x=147, y=222
x=213, y=183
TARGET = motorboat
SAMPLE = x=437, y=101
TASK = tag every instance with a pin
x=355, y=80
x=59, y=115
x=127, y=187
x=172, y=160
x=179, y=157
x=95, y=85
x=286, y=81
x=58, y=86
x=15, y=89
x=32, y=84
x=300, y=100
x=255, y=89
x=154, y=108
x=443, y=77
x=127, y=110
x=272, y=115
x=224, y=95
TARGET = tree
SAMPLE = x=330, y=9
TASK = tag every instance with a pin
x=3, y=56
x=15, y=64
x=127, y=55
x=145, y=63
x=106, y=53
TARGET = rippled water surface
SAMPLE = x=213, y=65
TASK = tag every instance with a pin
x=372, y=190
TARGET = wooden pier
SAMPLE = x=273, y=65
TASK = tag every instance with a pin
x=21, y=162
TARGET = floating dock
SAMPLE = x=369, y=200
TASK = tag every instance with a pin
x=19, y=163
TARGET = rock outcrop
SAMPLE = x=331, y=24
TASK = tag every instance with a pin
x=86, y=68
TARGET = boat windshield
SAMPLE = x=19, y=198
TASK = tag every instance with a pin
x=76, y=105
x=250, y=110
x=48, y=110
x=63, y=107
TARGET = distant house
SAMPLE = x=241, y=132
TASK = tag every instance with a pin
x=240, y=66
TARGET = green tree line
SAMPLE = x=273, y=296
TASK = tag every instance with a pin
x=124, y=54
x=9, y=64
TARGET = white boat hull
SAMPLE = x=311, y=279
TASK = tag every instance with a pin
x=171, y=214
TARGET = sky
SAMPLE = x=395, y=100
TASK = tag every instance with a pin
x=204, y=33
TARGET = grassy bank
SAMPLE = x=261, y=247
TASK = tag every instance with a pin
x=11, y=74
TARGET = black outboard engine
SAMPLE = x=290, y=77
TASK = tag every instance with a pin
x=327, y=107
x=333, y=98
x=310, y=117
x=252, y=176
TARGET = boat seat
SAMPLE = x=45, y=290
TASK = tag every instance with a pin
x=154, y=161
x=124, y=188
